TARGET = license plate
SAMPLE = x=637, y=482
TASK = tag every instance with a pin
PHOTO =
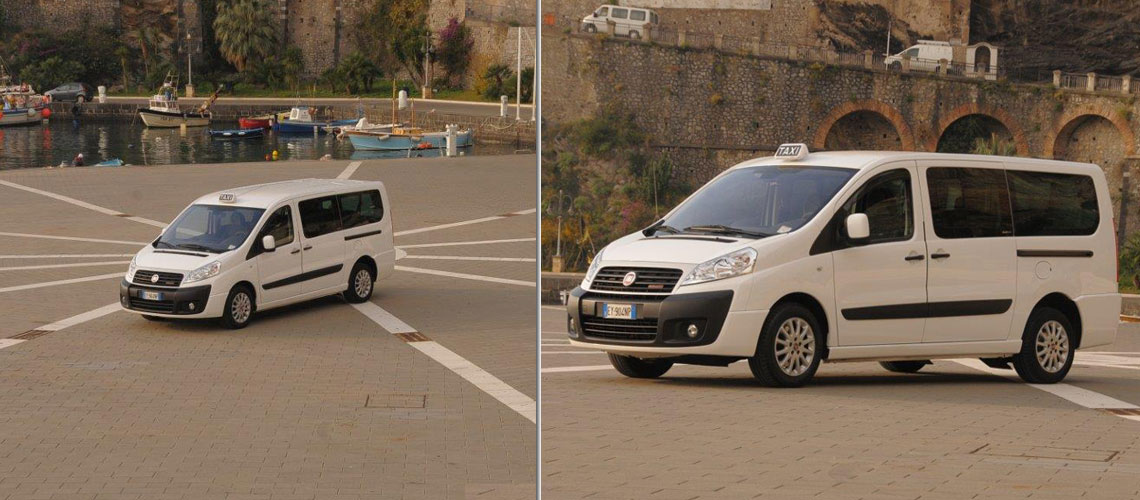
x=147, y=295
x=619, y=311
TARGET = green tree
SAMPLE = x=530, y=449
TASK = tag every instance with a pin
x=124, y=53
x=453, y=50
x=498, y=80
x=245, y=31
x=395, y=33
x=50, y=72
x=358, y=72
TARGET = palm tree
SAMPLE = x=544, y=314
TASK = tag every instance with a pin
x=994, y=146
x=245, y=31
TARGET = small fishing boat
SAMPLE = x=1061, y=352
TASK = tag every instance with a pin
x=262, y=121
x=300, y=120
x=237, y=133
x=362, y=125
x=404, y=138
x=163, y=111
x=19, y=104
x=113, y=162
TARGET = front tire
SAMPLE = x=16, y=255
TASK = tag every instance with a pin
x=590, y=28
x=633, y=35
x=639, y=368
x=239, y=308
x=903, y=366
x=1046, y=347
x=360, y=284
x=788, y=353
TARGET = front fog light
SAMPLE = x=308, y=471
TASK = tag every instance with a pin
x=693, y=331
x=572, y=327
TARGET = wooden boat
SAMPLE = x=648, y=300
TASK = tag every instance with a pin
x=237, y=133
x=262, y=121
x=300, y=120
x=404, y=138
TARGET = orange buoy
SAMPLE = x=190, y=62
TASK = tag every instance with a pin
x=424, y=145
x=46, y=113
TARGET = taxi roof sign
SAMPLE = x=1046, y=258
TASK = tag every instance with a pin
x=792, y=151
x=227, y=197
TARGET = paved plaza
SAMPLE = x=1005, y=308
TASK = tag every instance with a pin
x=321, y=400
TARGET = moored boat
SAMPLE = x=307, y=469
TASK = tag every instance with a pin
x=300, y=120
x=237, y=133
x=19, y=104
x=162, y=110
x=261, y=121
x=404, y=138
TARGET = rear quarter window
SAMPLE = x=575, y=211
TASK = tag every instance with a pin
x=358, y=209
x=319, y=216
x=637, y=15
x=1049, y=204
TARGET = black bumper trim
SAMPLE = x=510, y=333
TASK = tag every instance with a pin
x=673, y=314
x=175, y=301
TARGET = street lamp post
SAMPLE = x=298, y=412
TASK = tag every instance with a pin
x=189, y=68
x=556, y=263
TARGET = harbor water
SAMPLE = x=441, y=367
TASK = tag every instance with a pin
x=103, y=139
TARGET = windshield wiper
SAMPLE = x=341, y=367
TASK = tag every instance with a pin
x=160, y=242
x=660, y=226
x=723, y=229
x=195, y=246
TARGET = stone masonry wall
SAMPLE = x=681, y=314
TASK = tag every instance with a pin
x=46, y=14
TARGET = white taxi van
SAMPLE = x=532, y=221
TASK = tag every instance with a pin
x=235, y=252
x=893, y=257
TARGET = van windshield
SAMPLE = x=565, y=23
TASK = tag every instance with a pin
x=210, y=228
x=756, y=202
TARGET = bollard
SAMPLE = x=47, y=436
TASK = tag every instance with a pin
x=102, y=94
x=452, y=139
x=403, y=99
x=182, y=128
x=503, y=100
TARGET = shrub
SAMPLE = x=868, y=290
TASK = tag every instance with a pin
x=454, y=50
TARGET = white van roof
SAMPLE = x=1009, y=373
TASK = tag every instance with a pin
x=866, y=159
x=266, y=195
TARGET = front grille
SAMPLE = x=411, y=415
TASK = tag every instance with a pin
x=649, y=279
x=164, y=279
x=161, y=306
x=607, y=297
x=630, y=330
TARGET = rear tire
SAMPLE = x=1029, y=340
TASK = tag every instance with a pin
x=1046, y=347
x=903, y=366
x=639, y=368
x=239, y=308
x=788, y=353
x=633, y=35
x=360, y=284
x=79, y=99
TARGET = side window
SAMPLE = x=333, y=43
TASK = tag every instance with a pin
x=913, y=53
x=319, y=216
x=280, y=226
x=637, y=15
x=371, y=207
x=350, y=210
x=887, y=201
x=653, y=18
x=620, y=13
x=358, y=209
x=1053, y=204
x=969, y=202
x=603, y=12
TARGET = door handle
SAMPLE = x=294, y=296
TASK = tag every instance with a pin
x=916, y=256
x=308, y=247
x=295, y=251
x=939, y=255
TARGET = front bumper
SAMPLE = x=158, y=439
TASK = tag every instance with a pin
x=661, y=321
x=187, y=301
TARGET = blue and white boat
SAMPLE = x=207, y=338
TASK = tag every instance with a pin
x=237, y=133
x=404, y=138
x=301, y=121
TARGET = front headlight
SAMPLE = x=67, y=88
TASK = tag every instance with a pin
x=131, y=269
x=595, y=265
x=726, y=266
x=207, y=271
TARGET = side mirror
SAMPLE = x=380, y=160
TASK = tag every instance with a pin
x=269, y=244
x=858, y=227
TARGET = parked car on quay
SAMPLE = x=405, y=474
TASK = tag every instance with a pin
x=894, y=257
x=235, y=252
x=628, y=21
x=73, y=91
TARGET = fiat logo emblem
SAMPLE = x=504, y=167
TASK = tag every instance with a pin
x=629, y=278
x=154, y=278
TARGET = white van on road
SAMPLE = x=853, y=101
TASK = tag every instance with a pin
x=872, y=256
x=235, y=252
x=628, y=21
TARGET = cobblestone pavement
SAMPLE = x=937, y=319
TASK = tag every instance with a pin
x=857, y=431
x=313, y=401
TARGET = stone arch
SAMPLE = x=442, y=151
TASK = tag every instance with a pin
x=865, y=109
x=990, y=113
x=1072, y=121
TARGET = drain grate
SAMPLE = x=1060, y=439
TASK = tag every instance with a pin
x=30, y=334
x=1049, y=452
x=395, y=401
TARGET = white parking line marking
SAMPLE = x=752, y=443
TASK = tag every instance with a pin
x=9, y=342
x=73, y=238
x=384, y=318
x=464, y=223
x=462, y=243
x=1071, y=393
x=571, y=352
x=568, y=369
x=476, y=277
x=81, y=318
x=83, y=204
x=61, y=282
x=349, y=170
x=515, y=400
x=65, y=255
x=480, y=378
x=461, y=257
x=57, y=266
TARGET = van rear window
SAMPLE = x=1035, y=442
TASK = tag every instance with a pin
x=1047, y=204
